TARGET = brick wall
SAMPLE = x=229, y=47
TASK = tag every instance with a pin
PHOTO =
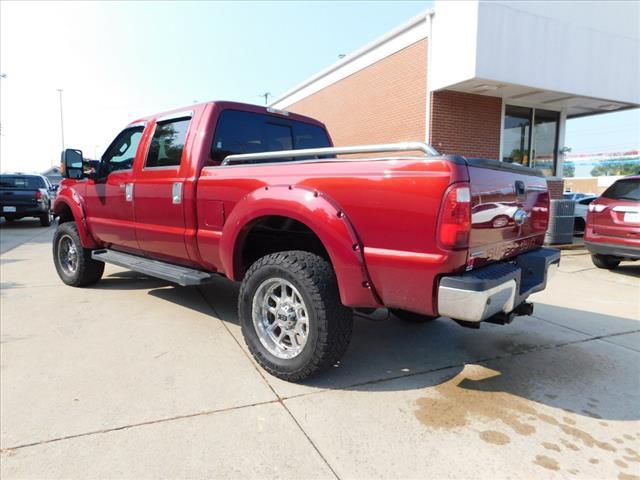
x=385, y=102
x=466, y=124
x=556, y=187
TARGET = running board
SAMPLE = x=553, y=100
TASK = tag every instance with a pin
x=154, y=268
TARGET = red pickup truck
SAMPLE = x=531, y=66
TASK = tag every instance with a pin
x=312, y=232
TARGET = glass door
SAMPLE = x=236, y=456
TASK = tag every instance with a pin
x=545, y=141
x=516, y=134
x=530, y=137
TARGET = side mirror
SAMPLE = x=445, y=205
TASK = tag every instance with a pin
x=72, y=163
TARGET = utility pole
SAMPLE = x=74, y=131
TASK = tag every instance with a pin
x=61, y=119
x=266, y=96
x=2, y=76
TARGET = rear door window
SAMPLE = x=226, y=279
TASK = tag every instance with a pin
x=167, y=143
x=626, y=189
x=249, y=132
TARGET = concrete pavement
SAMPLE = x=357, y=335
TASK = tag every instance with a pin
x=138, y=378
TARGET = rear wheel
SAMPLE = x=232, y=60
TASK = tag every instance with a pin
x=411, y=317
x=9, y=218
x=45, y=219
x=291, y=316
x=73, y=262
x=605, y=261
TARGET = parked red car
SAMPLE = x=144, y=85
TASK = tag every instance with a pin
x=260, y=196
x=612, y=233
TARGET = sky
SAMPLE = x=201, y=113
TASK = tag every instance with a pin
x=117, y=61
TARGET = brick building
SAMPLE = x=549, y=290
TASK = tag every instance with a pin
x=496, y=80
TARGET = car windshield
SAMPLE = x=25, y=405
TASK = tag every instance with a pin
x=21, y=182
x=626, y=189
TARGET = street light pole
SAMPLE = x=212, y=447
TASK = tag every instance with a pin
x=61, y=119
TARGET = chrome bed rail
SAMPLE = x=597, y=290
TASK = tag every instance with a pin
x=428, y=150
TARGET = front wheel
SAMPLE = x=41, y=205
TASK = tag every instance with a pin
x=605, y=261
x=291, y=316
x=73, y=262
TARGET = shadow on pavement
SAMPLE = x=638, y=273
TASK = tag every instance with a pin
x=583, y=376
x=629, y=269
x=22, y=224
x=129, y=280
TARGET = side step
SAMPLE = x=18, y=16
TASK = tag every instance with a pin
x=154, y=268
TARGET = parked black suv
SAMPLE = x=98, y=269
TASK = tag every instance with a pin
x=26, y=195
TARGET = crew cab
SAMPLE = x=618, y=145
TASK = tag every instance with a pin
x=612, y=232
x=312, y=231
x=26, y=195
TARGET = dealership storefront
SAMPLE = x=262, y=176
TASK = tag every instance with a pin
x=496, y=80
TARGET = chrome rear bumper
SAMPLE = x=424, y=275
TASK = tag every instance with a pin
x=499, y=288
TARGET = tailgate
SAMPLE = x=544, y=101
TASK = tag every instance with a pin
x=509, y=210
x=17, y=198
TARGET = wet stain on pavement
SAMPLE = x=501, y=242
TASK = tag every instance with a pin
x=569, y=445
x=497, y=438
x=551, y=446
x=627, y=476
x=453, y=405
x=546, y=462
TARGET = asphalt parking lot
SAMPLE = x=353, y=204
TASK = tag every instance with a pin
x=137, y=378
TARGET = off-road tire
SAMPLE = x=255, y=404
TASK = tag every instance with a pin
x=330, y=323
x=605, y=261
x=88, y=270
x=45, y=219
x=411, y=317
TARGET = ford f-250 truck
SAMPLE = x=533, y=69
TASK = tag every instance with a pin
x=312, y=232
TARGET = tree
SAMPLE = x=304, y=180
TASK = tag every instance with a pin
x=568, y=170
x=616, y=168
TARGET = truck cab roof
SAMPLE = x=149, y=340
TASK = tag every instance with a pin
x=229, y=105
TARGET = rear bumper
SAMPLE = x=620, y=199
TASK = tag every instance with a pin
x=614, y=250
x=24, y=210
x=498, y=288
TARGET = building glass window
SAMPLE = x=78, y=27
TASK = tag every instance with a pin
x=536, y=146
x=516, y=135
x=545, y=140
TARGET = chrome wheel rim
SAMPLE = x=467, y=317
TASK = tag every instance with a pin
x=67, y=255
x=280, y=318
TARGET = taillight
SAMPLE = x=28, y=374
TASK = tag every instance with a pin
x=540, y=213
x=454, y=224
x=38, y=196
x=594, y=207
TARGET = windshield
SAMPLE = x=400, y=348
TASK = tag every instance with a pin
x=627, y=189
x=21, y=182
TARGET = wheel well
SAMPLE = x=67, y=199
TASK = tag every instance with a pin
x=276, y=234
x=65, y=214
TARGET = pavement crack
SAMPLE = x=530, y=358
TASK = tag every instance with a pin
x=135, y=425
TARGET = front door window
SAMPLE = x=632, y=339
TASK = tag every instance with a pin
x=536, y=146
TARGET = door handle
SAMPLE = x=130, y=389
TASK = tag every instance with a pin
x=176, y=193
x=128, y=192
